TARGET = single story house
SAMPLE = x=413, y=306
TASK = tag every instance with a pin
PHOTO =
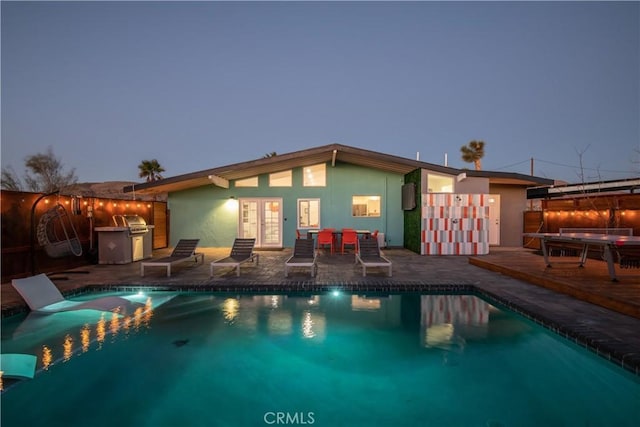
x=342, y=186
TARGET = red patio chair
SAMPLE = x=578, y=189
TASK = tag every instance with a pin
x=325, y=237
x=349, y=237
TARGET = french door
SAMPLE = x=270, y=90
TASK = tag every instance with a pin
x=262, y=219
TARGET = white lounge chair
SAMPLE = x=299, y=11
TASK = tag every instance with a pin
x=184, y=251
x=42, y=296
x=16, y=365
x=241, y=252
x=370, y=255
x=304, y=255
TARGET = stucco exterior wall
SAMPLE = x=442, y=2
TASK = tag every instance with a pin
x=209, y=214
x=473, y=185
x=513, y=203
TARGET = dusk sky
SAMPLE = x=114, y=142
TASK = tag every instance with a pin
x=205, y=84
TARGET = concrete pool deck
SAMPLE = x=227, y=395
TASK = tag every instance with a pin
x=580, y=304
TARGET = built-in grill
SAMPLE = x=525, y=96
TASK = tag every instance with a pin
x=128, y=240
x=135, y=223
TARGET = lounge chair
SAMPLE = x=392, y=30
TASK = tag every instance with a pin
x=304, y=255
x=19, y=366
x=42, y=296
x=369, y=255
x=241, y=252
x=184, y=251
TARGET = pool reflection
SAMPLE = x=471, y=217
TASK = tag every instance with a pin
x=448, y=320
x=75, y=343
x=443, y=321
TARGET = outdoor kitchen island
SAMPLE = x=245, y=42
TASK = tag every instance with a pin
x=128, y=241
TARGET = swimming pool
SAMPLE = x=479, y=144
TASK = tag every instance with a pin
x=327, y=360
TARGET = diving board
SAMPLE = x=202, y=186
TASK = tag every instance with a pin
x=608, y=242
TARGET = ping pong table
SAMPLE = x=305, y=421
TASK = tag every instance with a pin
x=608, y=242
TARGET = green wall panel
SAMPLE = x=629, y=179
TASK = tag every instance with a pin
x=412, y=218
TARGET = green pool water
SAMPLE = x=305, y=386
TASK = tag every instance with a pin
x=325, y=360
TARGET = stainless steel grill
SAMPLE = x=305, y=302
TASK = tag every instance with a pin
x=135, y=223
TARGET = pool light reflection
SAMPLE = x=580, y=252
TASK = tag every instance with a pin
x=67, y=347
x=53, y=354
x=230, y=309
x=47, y=357
x=85, y=337
x=307, y=325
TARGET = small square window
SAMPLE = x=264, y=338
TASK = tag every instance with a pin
x=308, y=213
x=365, y=206
x=439, y=184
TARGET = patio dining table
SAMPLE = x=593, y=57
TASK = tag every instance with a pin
x=338, y=232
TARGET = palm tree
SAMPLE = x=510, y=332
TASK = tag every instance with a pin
x=150, y=169
x=473, y=153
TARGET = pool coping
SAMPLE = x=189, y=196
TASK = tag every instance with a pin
x=584, y=335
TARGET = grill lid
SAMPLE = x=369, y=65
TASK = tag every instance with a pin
x=135, y=223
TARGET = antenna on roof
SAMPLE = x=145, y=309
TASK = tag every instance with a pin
x=418, y=155
x=446, y=162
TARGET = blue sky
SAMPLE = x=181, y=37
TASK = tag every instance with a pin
x=205, y=84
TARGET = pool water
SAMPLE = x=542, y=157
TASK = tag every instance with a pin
x=326, y=360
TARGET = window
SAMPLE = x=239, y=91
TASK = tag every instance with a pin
x=365, y=206
x=248, y=182
x=308, y=213
x=439, y=184
x=280, y=179
x=315, y=175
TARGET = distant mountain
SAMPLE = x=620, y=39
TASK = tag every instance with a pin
x=110, y=190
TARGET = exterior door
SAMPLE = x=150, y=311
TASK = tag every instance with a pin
x=262, y=220
x=494, y=219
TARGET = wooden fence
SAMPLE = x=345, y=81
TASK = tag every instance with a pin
x=21, y=253
x=609, y=211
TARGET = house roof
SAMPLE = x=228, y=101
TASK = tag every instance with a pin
x=509, y=178
x=328, y=153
